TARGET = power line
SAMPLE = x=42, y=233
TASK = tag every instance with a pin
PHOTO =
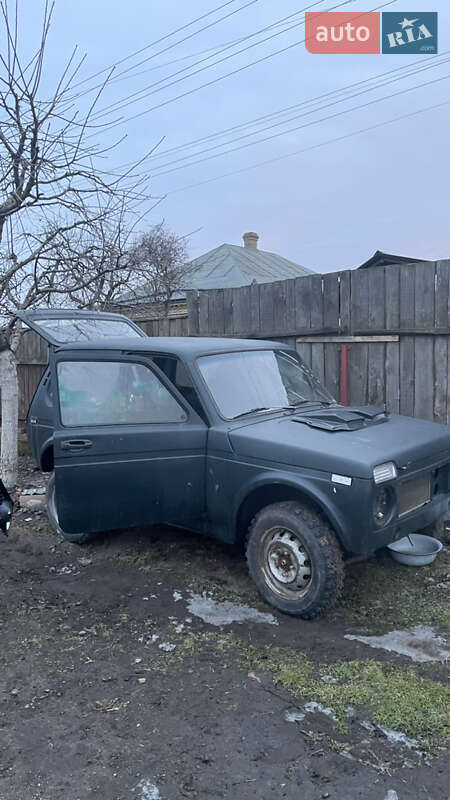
x=119, y=78
x=141, y=93
x=157, y=41
x=169, y=47
x=310, y=148
x=295, y=106
x=299, y=127
x=217, y=48
x=121, y=104
x=229, y=74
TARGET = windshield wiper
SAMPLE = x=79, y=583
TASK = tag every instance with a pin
x=264, y=408
x=314, y=402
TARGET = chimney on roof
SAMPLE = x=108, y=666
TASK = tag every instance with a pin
x=251, y=240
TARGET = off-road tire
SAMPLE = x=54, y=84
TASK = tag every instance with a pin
x=313, y=533
x=75, y=538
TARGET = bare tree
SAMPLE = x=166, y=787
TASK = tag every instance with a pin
x=158, y=260
x=55, y=197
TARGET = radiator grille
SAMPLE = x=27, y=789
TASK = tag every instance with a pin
x=413, y=494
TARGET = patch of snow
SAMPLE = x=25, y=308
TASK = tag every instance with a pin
x=294, y=716
x=215, y=613
x=368, y=726
x=397, y=736
x=167, y=647
x=179, y=628
x=154, y=637
x=420, y=643
x=147, y=790
x=177, y=596
x=391, y=795
x=66, y=570
x=314, y=708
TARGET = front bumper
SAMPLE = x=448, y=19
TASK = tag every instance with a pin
x=6, y=509
x=363, y=537
x=413, y=522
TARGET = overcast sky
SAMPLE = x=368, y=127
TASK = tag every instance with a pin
x=328, y=208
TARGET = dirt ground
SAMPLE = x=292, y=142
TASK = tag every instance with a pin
x=113, y=686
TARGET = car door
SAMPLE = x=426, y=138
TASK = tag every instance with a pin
x=60, y=327
x=128, y=449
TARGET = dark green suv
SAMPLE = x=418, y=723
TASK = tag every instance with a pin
x=233, y=438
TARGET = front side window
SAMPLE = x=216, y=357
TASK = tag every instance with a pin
x=258, y=380
x=113, y=393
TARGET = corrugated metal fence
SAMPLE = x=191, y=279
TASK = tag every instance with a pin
x=393, y=321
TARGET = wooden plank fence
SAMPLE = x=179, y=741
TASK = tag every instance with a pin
x=395, y=322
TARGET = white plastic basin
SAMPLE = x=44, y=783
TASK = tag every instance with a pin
x=415, y=550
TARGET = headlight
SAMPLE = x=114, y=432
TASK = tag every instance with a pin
x=383, y=505
x=384, y=472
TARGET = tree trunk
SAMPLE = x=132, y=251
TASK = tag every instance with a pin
x=10, y=418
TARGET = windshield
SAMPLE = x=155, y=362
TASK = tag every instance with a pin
x=258, y=380
x=82, y=329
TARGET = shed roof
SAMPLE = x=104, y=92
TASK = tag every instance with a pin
x=380, y=259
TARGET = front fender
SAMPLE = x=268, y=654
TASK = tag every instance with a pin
x=317, y=488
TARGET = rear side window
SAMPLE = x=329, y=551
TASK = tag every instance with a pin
x=113, y=393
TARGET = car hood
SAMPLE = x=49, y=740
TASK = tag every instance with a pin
x=297, y=441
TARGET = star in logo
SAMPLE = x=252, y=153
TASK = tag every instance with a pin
x=408, y=23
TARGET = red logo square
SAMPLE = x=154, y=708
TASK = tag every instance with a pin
x=342, y=32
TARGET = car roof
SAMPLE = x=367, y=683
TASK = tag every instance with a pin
x=178, y=345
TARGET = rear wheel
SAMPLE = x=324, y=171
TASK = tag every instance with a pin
x=295, y=559
x=52, y=513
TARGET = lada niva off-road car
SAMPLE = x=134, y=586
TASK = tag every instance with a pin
x=233, y=438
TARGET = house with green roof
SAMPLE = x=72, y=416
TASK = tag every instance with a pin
x=230, y=266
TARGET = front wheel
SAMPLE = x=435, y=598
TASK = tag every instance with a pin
x=295, y=560
x=52, y=513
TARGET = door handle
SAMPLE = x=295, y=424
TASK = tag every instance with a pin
x=76, y=444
